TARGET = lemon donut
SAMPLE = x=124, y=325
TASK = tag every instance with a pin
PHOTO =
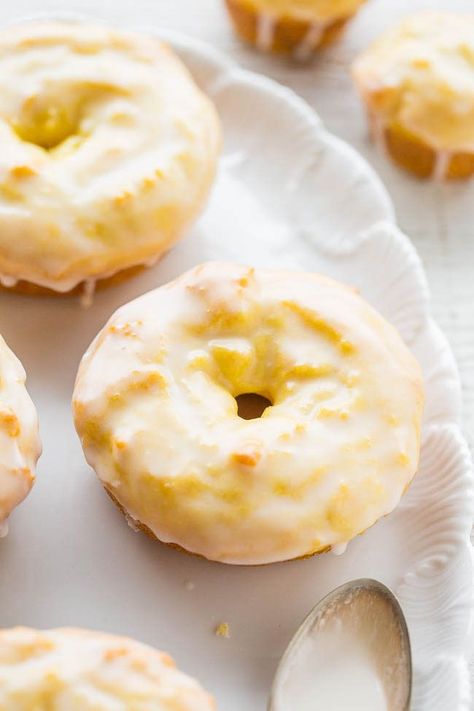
x=155, y=407
x=417, y=82
x=108, y=152
x=78, y=669
x=19, y=440
x=298, y=27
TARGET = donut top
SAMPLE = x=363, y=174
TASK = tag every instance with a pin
x=108, y=150
x=156, y=411
x=420, y=76
x=19, y=441
x=324, y=10
x=76, y=669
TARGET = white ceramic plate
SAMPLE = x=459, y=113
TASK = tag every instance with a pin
x=288, y=194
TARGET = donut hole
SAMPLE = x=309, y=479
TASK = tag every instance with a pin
x=47, y=128
x=251, y=406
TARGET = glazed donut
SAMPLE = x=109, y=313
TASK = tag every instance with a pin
x=77, y=669
x=19, y=439
x=335, y=449
x=417, y=82
x=108, y=152
x=297, y=27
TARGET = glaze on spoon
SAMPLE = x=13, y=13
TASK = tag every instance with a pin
x=352, y=653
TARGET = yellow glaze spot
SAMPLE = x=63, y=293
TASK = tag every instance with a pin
x=308, y=370
x=148, y=184
x=340, y=511
x=232, y=362
x=9, y=192
x=22, y=171
x=421, y=63
x=199, y=360
x=317, y=323
x=47, y=126
x=328, y=413
x=290, y=489
x=24, y=473
x=116, y=400
x=249, y=455
x=9, y=422
x=467, y=51
x=403, y=459
x=146, y=381
x=124, y=329
x=111, y=655
x=349, y=379
x=97, y=230
x=363, y=444
x=169, y=488
x=93, y=434
x=222, y=630
x=324, y=394
x=166, y=217
x=123, y=198
x=231, y=496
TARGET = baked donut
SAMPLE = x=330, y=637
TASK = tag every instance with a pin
x=417, y=82
x=77, y=669
x=155, y=408
x=108, y=152
x=20, y=445
x=297, y=27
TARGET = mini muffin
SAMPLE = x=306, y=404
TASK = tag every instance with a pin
x=331, y=448
x=295, y=27
x=417, y=82
x=109, y=150
x=20, y=445
x=72, y=669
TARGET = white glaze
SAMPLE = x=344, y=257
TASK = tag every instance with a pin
x=87, y=293
x=155, y=409
x=378, y=132
x=71, y=668
x=339, y=549
x=266, y=24
x=310, y=41
x=441, y=165
x=8, y=281
x=19, y=440
x=136, y=154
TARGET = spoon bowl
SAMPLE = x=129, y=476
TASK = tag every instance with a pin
x=351, y=653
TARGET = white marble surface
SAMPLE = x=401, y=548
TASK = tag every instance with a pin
x=438, y=218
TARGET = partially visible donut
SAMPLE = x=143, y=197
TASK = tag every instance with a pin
x=80, y=669
x=417, y=83
x=108, y=152
x=337, y=445
x=20, y=445
x=296, y=27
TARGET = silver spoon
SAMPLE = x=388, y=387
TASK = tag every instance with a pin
x=351, y=653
